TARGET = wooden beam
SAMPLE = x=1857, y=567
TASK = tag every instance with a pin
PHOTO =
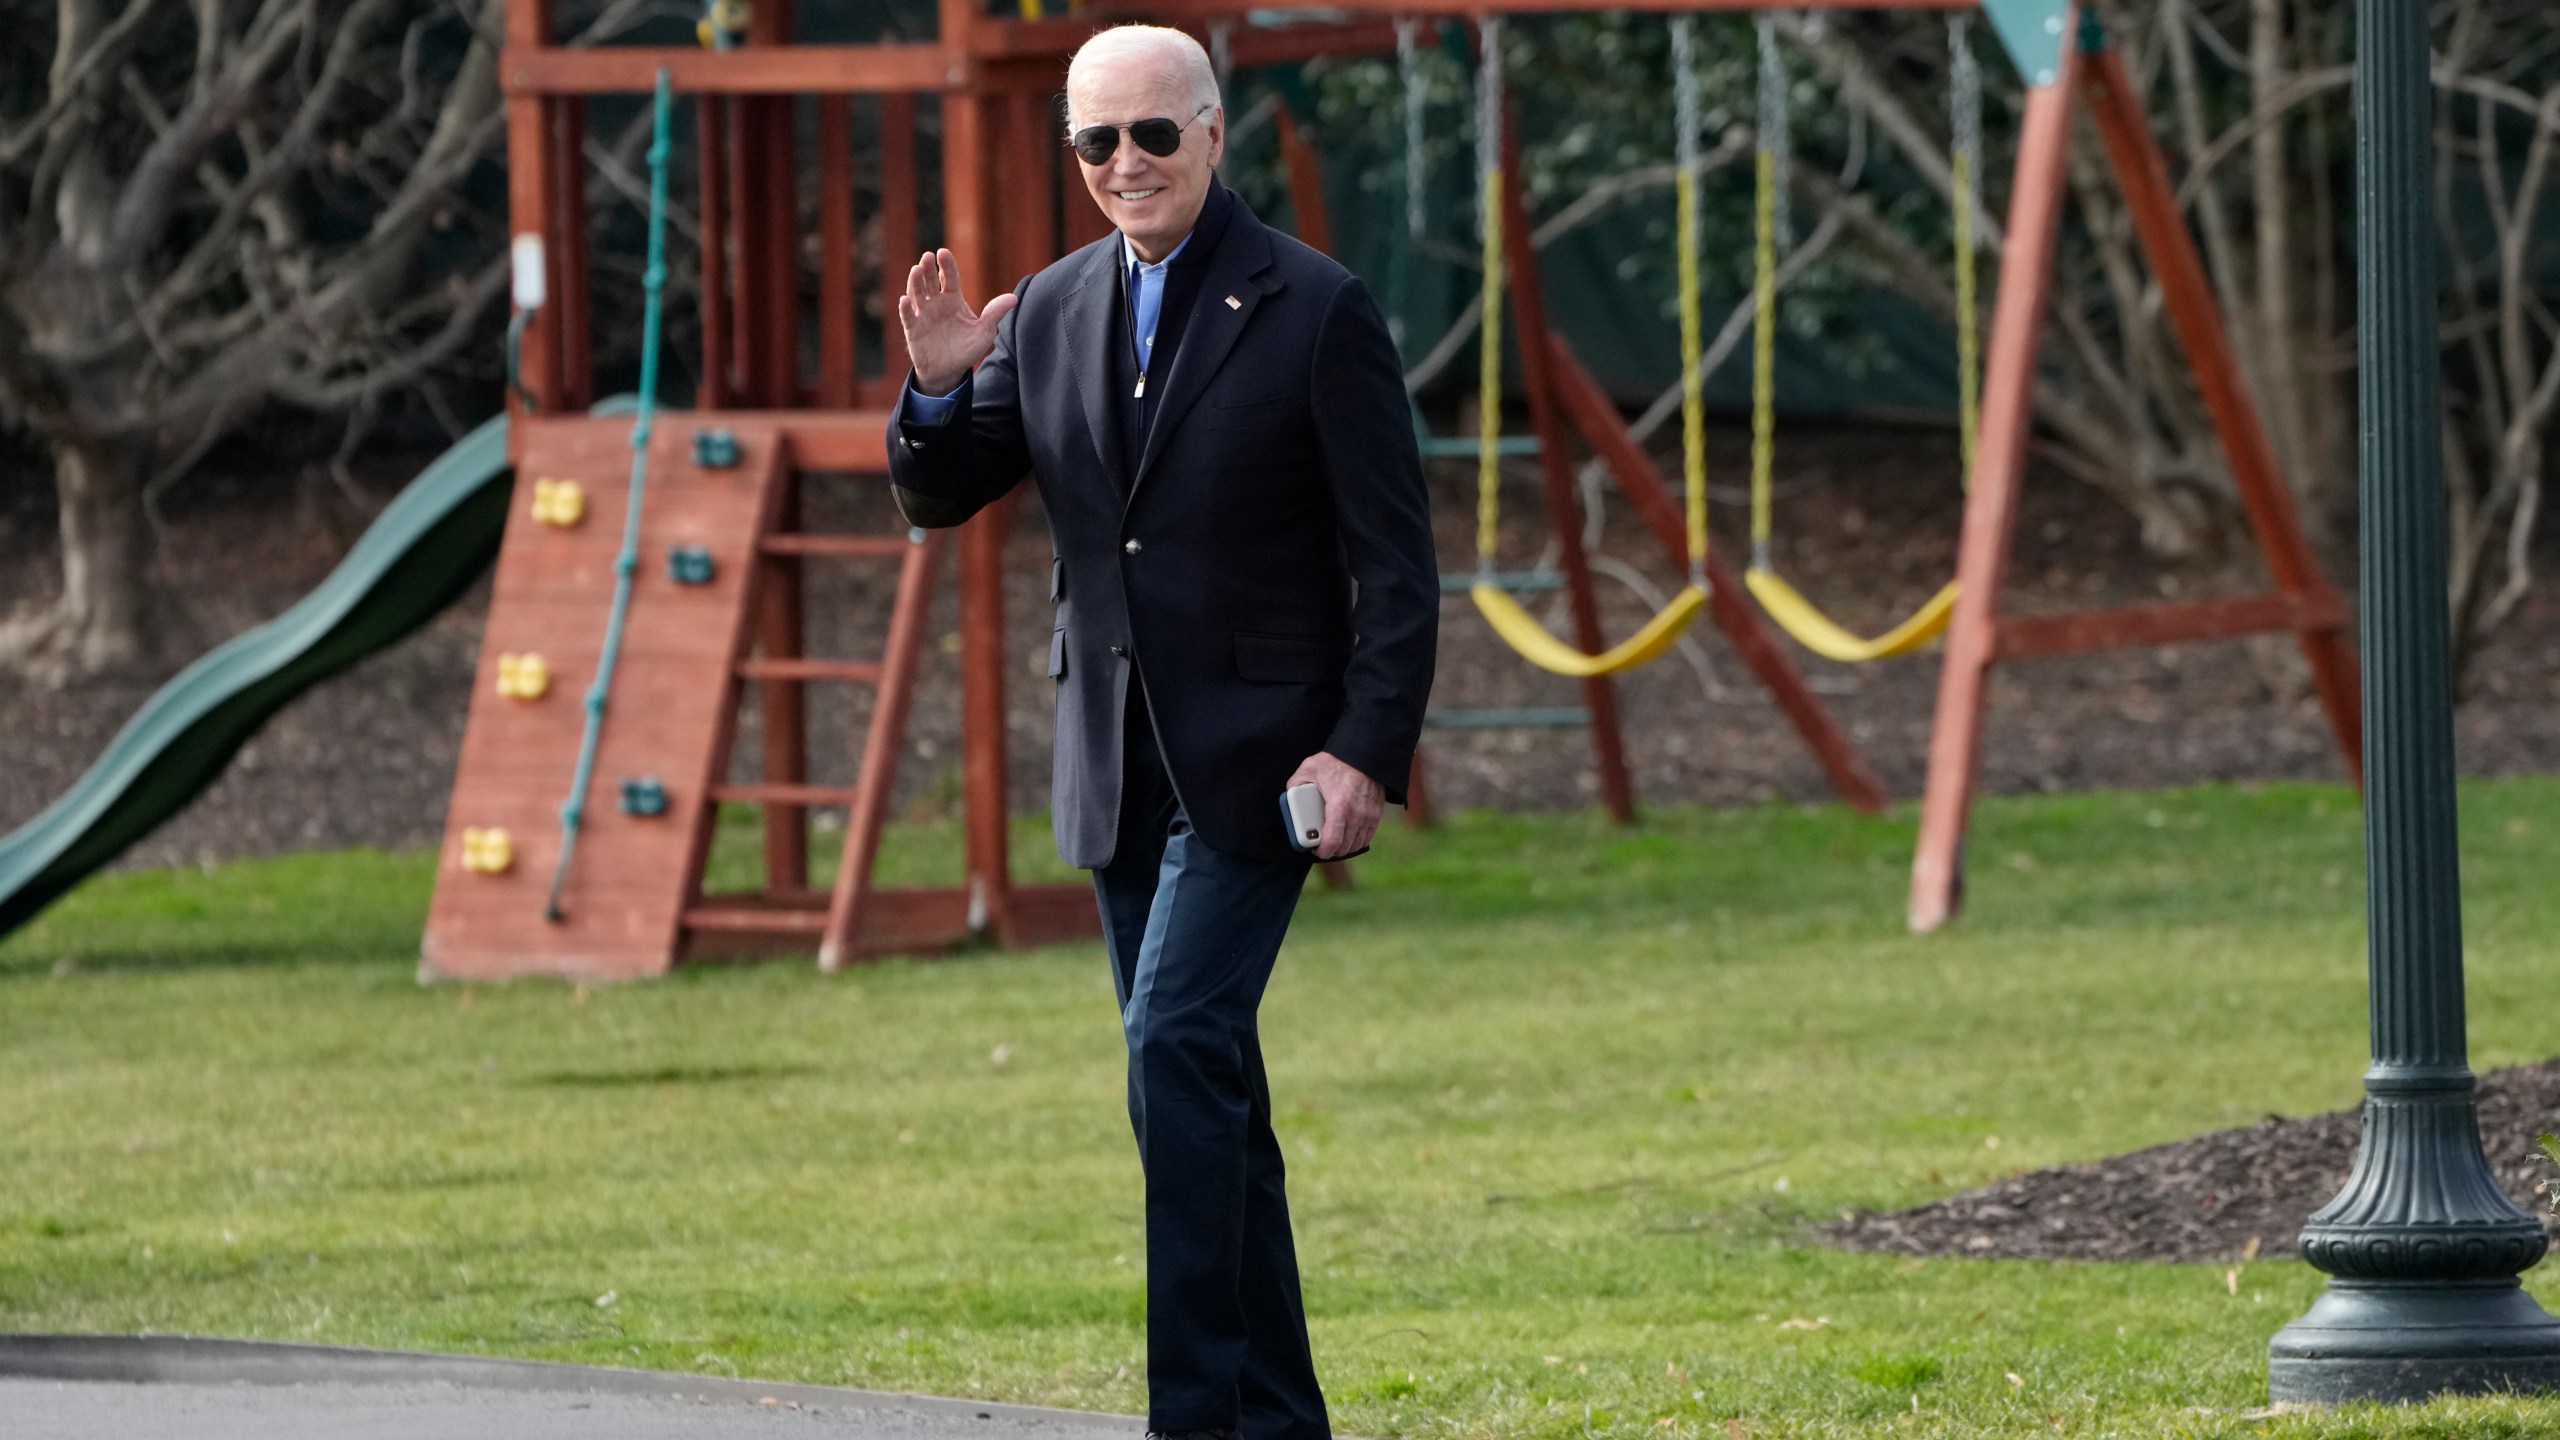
x=2143, y=174
x=1192, y=11
x=754, y=70
x=1564, y=504
x=1991, y=506
x=1248, y=45
x=2138, y=627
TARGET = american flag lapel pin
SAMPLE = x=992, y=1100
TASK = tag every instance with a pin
x=1234, y=304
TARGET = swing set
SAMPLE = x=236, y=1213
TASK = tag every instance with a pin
x=1784, y=604
x=2062, y=50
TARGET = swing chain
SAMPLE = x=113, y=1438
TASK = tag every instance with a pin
x=1409, y=65
x=1965, y=102
x=1775, y=136
x=1686, y=109
x=1489, y=170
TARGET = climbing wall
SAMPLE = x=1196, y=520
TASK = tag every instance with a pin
x=645, y=822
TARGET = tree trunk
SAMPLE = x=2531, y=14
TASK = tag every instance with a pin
x=101, y=621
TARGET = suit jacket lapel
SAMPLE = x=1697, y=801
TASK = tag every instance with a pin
x=1089, y=320
x=1234, y=284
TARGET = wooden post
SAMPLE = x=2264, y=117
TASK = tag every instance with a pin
x=898, y=243
x=1306, y=184
x=779, y=193
x=968, y=220
x=711, y=115
x=529, y=212
x=2143, y=173
x=1418, y=814
x=572, y=300
x=836, y=299
x=780, y=630
x=746, y=272
x=1564, y=508
x=1991, y=507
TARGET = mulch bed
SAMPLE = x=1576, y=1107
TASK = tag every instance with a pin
x=2207, y=1198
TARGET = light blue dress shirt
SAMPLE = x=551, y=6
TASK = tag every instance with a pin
x=1146, y=296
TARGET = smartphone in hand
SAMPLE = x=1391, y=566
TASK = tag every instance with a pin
x=1302, y=810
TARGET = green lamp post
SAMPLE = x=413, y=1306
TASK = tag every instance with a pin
x=2421, y=1247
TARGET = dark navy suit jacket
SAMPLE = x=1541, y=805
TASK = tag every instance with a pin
x=1257, y=565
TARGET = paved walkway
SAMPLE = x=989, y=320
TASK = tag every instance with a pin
x=91, y=1410
x=85, y=1388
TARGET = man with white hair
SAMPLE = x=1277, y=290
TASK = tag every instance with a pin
x=1247, y=602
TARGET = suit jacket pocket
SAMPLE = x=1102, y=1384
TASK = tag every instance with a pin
x=1058, y=653
x=1260, y=415
x=1287, y=659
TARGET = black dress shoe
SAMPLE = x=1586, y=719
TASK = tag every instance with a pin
x=1191, y=1435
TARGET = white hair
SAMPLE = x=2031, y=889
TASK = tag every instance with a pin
x=1169, y=50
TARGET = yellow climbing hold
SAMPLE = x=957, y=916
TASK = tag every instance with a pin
x=723, y=24
x=559, y=502
x=523, y=677
x=487, y=852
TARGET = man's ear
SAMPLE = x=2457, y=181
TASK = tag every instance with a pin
x=1217, y=136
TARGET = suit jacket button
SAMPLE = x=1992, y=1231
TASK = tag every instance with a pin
x=1120, y=650
x=1133, y=547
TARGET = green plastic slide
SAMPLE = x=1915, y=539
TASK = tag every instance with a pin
x=419, y=557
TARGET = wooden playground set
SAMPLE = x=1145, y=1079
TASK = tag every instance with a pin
x=710, y=574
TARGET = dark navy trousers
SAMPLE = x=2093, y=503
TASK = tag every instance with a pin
x=1193, y=933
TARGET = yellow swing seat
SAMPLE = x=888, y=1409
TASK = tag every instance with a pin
x=1785, y=605
x=1509, y=619
x=1521, y=631
x=1823, y=636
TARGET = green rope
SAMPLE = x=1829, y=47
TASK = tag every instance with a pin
x=654, y=283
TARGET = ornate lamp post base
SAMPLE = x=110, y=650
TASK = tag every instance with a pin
x=2400, y=1340
x=2423, y=1250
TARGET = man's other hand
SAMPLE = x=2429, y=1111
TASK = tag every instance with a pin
x=1353, y=804
x=945, y=341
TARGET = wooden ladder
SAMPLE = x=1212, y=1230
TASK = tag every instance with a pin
x=787, y=911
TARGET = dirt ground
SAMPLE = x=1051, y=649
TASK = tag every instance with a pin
x=1866, y=526
x=2226, y=1196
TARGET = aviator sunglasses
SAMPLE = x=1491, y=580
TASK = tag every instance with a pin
x=1158, y=136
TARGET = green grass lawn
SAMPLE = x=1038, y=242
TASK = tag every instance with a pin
x=1559, y=1100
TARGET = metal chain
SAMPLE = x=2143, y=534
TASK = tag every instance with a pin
x=1686, y=111
x=1489, y=342
x=1965, y=102
x=1409, y=70
x=1774, y=134
x=1686, y=103
x=1965, y=98
x=1489, y=103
